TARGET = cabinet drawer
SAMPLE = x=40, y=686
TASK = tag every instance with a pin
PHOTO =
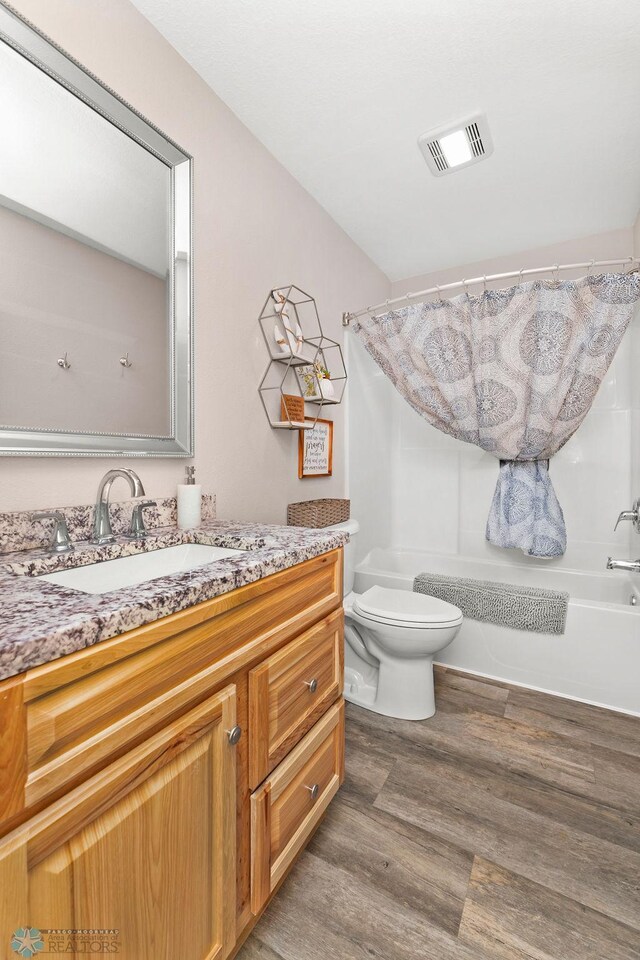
x=290, y=690
x=289, y=805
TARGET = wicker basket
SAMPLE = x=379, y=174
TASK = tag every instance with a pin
x=318, y=513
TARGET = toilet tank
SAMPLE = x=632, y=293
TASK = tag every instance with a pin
x=351, y=527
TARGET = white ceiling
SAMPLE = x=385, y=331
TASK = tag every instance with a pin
x=340, y=90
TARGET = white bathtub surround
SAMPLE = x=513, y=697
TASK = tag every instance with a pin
x=596, y=660
x=514, y=372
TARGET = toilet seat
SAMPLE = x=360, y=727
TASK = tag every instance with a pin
x=404, y=608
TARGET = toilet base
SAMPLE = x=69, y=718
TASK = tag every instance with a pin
x=403, y=690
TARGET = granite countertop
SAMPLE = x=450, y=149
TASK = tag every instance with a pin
x=41, y=621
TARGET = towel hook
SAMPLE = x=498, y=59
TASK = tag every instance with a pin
x=64, y=361
x=125, y=361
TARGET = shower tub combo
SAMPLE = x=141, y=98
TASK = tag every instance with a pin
x=596, y=660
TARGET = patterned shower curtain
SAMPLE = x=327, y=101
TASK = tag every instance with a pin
x=514, y=372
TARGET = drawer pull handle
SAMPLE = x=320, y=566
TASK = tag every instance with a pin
x=312, y=684
x=314, y=791
x=234, y=735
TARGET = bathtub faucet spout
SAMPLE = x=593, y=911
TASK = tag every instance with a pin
x=633, y=566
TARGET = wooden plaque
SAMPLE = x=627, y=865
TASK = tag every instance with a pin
x=292, y=408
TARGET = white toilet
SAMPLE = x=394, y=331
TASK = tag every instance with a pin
x=391, y=637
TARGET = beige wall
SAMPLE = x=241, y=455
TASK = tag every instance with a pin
x=58, y=295
x=255, y=228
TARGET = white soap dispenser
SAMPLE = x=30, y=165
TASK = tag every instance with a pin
x=189, y=501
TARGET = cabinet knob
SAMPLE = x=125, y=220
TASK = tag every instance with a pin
x=312, y=684
x=314, y=791
x=234, y=735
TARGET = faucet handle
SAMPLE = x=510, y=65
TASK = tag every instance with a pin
x=137, y=530
x=60, y=539
x=633, y=515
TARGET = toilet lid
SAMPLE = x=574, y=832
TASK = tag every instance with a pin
x=403, y=606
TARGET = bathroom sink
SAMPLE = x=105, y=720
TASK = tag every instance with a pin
x=140, y=568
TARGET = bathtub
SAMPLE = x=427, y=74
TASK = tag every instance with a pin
x=596, y=660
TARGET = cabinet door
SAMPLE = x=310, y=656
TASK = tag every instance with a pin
x=146, y=847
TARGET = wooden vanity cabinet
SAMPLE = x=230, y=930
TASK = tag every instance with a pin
x=126, y=802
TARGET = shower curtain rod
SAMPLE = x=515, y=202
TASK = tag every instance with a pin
x=628, y=261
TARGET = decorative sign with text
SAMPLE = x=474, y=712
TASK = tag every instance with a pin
x=315, y=450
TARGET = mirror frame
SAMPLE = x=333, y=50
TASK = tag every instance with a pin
x=28, y=41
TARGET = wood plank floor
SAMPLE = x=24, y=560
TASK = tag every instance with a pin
x=507, y=826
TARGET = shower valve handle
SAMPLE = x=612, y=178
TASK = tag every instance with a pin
x=633, y=515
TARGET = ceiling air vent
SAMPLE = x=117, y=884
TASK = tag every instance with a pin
x=457, y=145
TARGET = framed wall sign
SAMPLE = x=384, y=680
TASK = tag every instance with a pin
x=315, y=450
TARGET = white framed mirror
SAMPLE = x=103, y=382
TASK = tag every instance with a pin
x=96, y=305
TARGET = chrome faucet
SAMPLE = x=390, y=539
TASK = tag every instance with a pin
x=633, y=566
x=102, y=532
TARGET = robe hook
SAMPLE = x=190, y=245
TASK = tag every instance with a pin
x=125, y=361
x=64, y=361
